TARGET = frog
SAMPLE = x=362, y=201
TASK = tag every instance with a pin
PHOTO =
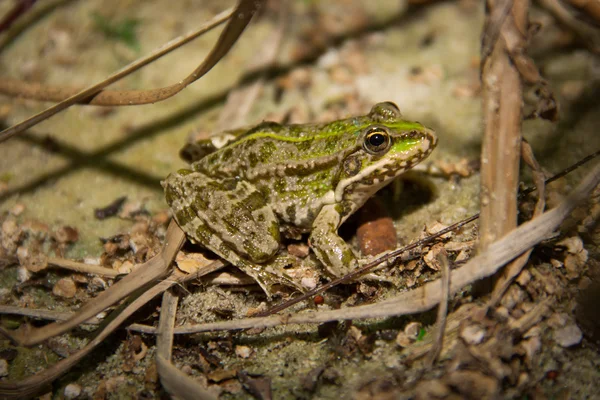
x=248, y=190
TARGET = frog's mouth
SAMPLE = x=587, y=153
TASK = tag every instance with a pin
x=403, y=155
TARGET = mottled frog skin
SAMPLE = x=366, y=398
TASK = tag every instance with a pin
x=248, y=189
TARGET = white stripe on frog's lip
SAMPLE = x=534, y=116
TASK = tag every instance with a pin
x=424, y=149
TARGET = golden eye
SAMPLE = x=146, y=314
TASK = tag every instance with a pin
x=377, y=140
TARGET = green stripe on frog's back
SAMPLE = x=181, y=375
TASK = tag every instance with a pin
x=297, y=149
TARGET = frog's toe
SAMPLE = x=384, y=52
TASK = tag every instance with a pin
x=271, y=274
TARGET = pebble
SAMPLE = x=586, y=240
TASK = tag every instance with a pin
x=568, y=336
x=3, y=368
x=72, y=391
x=472, y=334
x=412, y=329
x=243, y=351
x=65, y=288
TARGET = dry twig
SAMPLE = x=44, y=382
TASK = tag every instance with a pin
x=440, y=323
x=244, y=12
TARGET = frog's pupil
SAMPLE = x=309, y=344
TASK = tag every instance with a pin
x=376, y=140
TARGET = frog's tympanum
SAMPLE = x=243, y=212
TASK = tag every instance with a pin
x=251, y=188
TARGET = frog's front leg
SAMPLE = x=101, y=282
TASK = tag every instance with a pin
x=335, y=254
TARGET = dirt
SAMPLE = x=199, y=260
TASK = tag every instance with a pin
x=339, y=58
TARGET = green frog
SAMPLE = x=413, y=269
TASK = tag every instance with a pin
x=247, y=190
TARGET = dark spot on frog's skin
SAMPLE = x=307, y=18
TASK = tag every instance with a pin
x=184, y=172
x=199, y=202
x=347, y=257
x=226, y=155
x=351, y=166
x=184, y=216
x=228, y=185
x=331, y=145
x=253, y=202
x=204, y=234
x=254, y=253
x=274, y=231
x=170, y=196
x=253, y=159
x=224, y=250
x=266, y=150
x=291, y=212
x=280, y=185
x=303, y=146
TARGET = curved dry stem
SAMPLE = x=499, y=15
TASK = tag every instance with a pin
x=175, y=382
x=81, y=267
x=244, y=12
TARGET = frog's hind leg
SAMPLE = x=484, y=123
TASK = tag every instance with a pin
x=229, y=217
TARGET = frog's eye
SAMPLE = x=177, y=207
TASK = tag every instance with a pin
x=385, y=111
x=377, y=140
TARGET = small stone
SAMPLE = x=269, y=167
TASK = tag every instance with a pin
x=568, y=336
x=186, y=369
x=34, y=261
x=65, y=288
x=23, y=274
x=96, y=283
x=309, y=282
x=300, y=250
x=243, y=351
x=17, y=209
x=72, y=391
x=412, y=329
x=66, y=234
x=402, y=340
x=473, y=334
x=11, y=235
x=3, y=367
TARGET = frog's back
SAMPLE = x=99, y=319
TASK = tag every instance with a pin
x=271, y=149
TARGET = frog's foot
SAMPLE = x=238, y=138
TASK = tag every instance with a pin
x=271, y=273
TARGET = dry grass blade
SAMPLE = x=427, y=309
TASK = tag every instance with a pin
x=485, y=264
x=591, y=7
x=28, y=19
x=175, y=382
x=244, y=11
x=589, y=34
x=514, y=268
x=150, y=271
x=43, y=314
x=81, y=267
x=502, y=113
x=440, y=323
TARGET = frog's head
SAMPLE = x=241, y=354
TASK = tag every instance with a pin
x=386, y=146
